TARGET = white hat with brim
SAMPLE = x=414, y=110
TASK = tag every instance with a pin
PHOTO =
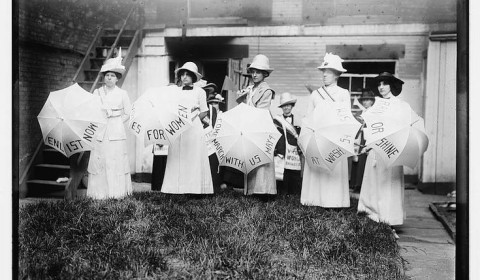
x=332, y=61
x=113, y=65
x=287, y=98
x=191, y=67
x=261, y=62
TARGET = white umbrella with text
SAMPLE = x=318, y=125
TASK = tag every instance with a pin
x=244, y=138
x=71, y=119
x=160, y=115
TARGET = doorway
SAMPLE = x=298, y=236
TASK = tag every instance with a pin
x=214, y=71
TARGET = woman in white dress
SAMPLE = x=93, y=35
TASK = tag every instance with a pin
x=381, y=195
x=321, y=187
x=188, y=168
x=261, y=180
x=108, y=168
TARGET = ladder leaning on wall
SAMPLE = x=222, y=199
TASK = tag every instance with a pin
x=39, y=178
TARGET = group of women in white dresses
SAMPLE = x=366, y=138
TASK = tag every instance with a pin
x=188, y=171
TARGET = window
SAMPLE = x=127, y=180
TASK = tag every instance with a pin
x=361, y=73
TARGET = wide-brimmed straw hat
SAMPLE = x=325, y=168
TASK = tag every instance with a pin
x=217, y=98
x=394, y=82
x=332, y=61
x=191, y=67
x=114, y=64
x=261, y=62
x=287, y=98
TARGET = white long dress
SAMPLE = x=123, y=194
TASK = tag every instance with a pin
x=108, y=167
x=261, y=180
x=188, y=168
x=382, y=192
x=321, y=187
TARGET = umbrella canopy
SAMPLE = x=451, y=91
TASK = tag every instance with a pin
x=71, y=119
x=392, y=133
x=245, y=138
x=328, y=134
x=160, y=115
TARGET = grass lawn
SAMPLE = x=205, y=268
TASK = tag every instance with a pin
x=227, y=236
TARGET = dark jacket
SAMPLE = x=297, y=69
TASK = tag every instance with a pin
x=292, y=140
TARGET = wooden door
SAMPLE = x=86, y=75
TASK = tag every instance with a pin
x=234, y=73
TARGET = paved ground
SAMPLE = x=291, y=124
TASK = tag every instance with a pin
x=425, y=244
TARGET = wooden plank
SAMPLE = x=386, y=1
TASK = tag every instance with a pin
x=46, y=182
x=234, y=65
x=446, y=145
x=431, y=112
x=59, y=166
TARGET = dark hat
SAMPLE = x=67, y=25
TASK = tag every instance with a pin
x=394, y=82
x=218, y=98
x=210, y=88
x=367, y=94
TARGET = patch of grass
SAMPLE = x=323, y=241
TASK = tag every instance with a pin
x=153, y=235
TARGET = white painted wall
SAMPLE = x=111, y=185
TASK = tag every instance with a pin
x=439, y=161
x=149, y=69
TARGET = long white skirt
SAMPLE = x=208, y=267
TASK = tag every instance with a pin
x=188, y=168
x=382, y=192
x=261, y=180
x=109, y=170
x=324, y=188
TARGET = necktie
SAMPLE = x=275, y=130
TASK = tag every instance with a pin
x=187, y=88
x=288, y=118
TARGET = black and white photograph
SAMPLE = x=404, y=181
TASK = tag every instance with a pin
x=240, y=139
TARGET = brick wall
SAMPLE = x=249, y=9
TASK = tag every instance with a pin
x=53, y=36
x=41, y=71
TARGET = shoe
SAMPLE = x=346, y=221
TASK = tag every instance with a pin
x=395, y=234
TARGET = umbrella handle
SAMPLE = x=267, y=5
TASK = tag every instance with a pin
x=245, y=184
